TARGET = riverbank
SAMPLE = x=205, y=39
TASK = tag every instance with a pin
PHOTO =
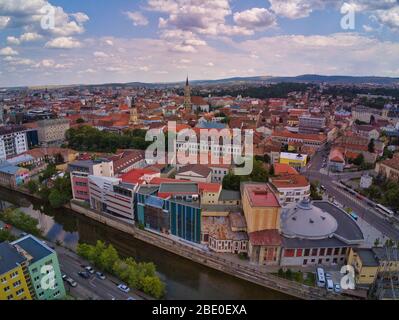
x=238, y=270
x=207, y=258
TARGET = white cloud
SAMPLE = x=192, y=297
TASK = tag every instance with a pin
x=28, y=14
x=255, y=18
x=26, y=37
x=63, y=43
x=100, y=54
x=8, y=51
x=205, y=17
x=389, y=17
x=137, y=18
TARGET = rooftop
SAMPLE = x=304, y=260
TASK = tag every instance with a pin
x=34, y=247
x=260, y=195
x=181, y=188
x=10, y=258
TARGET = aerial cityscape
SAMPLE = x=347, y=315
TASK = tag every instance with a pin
x=199, y=150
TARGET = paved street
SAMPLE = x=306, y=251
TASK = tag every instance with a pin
x=93, y=288
x=87, y=289
x=365, y=212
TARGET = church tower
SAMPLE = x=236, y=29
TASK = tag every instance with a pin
x=133, y=116
x=187, y=96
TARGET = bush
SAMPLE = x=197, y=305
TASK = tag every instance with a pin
x=141, y=276
x=21, y=221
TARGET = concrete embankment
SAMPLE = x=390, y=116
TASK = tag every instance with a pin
x=209, y=259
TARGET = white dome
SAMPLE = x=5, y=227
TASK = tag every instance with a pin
x=305, y=221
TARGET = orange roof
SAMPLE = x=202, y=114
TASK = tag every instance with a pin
x=290, y=181
x=282, y=169
x=287, y=134
x=136, y=175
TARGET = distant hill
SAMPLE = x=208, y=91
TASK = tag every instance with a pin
x=306, y=78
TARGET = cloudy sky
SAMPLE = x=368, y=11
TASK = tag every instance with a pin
x=98, y=41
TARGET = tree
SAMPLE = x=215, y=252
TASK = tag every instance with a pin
x=108, y=258
x=359, y=160
x=56, y=199
x=371, y=146
x=153, y=286
x=32, y=186
x=271, y=170
x=80, y=120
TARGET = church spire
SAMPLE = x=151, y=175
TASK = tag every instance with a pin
x=187, y=96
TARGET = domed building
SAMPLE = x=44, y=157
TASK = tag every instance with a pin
x=317, y=233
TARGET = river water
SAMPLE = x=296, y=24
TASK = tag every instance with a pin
x=184, y=279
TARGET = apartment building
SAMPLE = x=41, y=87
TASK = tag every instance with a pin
x=13, y=141
x=51, y=132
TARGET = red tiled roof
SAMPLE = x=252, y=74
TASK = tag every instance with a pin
x=265, y=238
x=282, y=168
x=260, y=195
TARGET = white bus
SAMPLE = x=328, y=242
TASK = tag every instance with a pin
x=320, y=277
x=385, y=211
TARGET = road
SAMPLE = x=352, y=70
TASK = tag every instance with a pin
x=87, y=289
x=359, y=206
x=93, y=288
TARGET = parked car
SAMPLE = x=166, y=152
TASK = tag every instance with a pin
x=328, y=275
x=330, y=285
x=124, y=288
x=89, y=270
x=84, y=274
x=100, y=275
x=64, y=277
x=337, y=288
x=130, y=298
x=71, y=282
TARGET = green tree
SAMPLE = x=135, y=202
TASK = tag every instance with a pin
x=32, y=186
x=371, y=146
x=108, y=258
x=359, y=160
x=153, y=286
x=56, y=199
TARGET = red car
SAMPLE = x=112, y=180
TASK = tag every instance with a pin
x=7, y=226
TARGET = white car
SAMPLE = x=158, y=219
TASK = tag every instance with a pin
x=89, y=270
x=124, y=288
x=337, y=288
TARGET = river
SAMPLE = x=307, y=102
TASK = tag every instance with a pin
x=184, y=279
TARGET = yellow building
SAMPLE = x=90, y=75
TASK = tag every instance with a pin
x=261, y=207
x=262, y=214
x=293, y=159
x=369, y=263
x=365, y=265
x=13, y=268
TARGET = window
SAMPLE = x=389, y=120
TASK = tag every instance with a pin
x=299, y=252
x=322, y=252
x=336, y=251
x=10, y=297
x=6, y=289
x=17, y=284
x=305, y=262
x=20, y=291
x=314, y=252
x=4, y=280
x=289, y=252
x=14, y=274
x=329, y=251
x=307, y=251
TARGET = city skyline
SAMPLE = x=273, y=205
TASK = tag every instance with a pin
x=163, y=41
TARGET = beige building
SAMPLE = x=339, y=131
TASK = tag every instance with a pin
x=389, y=168
x=51, y=132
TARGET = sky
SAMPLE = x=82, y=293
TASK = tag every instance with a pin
x=56, y=42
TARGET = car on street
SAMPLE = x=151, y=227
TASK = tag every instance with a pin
x=100, y=275
x=71, y=282
x=130, y=298
x=124, y=288
x=84, y=274
x=323, y=188
x=337, y=288
x=64, y=277
x=330, y=285
x=89, y=269
x=328, y=275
